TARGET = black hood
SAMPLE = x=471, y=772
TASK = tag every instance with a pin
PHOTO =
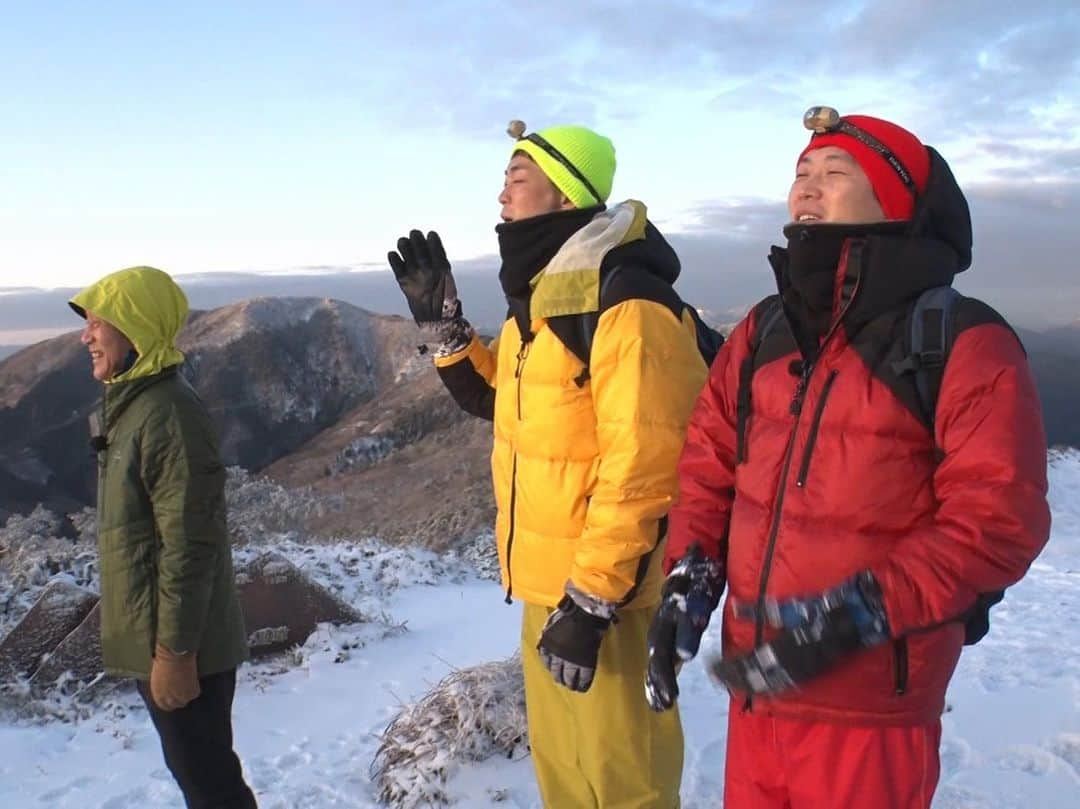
x=652, y=254
x=941, y=214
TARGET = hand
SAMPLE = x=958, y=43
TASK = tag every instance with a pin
x=817, y=633
x=690, y=594
x=423, y=273
x=570, y=640
x=174, y=678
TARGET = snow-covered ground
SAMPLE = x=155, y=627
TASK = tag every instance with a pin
x=307, y=728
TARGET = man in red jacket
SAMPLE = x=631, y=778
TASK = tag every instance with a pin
x=854, y=531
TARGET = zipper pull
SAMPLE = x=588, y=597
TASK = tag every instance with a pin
x=800, y=388
x=521, y=358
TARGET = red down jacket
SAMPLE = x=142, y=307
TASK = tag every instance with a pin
x=853, y=480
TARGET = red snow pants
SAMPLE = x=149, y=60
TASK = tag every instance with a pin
x=778, y=763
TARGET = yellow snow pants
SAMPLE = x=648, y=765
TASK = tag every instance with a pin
x=604, y=749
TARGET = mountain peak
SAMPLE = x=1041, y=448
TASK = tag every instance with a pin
x=221, y=326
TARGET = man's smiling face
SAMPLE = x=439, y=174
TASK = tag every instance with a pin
x=830, y=186
x=107, y=345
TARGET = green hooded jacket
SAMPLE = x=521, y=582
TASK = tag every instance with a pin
x=166, y=565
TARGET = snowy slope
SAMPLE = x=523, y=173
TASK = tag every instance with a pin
x=307, y=733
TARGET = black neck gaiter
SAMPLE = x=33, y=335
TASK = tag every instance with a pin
x=813, y=258
x=527, y=245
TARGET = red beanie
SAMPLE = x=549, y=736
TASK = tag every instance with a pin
x=896, y=199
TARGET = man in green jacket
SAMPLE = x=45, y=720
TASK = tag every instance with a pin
x=170, y=617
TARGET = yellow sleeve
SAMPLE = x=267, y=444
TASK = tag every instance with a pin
x=646, y=372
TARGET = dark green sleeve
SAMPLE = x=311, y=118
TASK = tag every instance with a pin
x=185, y=481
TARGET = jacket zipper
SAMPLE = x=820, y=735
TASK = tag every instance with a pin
x=804, y=467
x=774, y=528
x=510, y=538
x=900, y=666
x=523, y=352
x=155, y=556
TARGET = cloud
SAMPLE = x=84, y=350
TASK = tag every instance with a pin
x=999, y=72
x=1026, y=242
x=738, y=219
x=1061, y=164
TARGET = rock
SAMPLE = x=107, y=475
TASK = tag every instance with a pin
x=59, y=610
x=59, y=639
x=282, y=606
x=77, y=657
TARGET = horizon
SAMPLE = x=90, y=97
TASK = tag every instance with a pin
x=208, y=291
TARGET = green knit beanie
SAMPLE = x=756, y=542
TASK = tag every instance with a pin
x=591, y=154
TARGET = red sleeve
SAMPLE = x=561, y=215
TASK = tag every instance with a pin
x=707, y=463
x=992, y=517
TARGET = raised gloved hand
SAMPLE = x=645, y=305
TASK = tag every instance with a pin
x=817, y=633
x=423, y=273
x=174, y=678
x=690, y=594
x=570, y=640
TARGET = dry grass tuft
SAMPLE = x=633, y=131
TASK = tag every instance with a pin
x=471, y=715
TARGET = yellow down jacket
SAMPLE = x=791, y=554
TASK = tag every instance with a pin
x=584, y=469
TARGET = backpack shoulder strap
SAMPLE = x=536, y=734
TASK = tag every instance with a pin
x=770, y=314
x=769, y=317
x=931, y=329
x=709, y=340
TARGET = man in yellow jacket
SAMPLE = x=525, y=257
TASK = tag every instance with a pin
x=590, y=385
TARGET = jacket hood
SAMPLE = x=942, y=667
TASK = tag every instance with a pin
x=941, y=214
x=570, y=283
x=148, y=307
x=651, y=253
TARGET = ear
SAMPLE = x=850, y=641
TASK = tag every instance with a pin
x=566, y=204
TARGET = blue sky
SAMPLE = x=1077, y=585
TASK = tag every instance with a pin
x=275, y=136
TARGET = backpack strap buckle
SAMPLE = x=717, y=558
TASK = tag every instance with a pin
x=908, y=365
x=931, y=358
x=913, y=363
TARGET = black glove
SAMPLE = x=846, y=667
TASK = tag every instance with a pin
x=570, y=640
x=690, y=594
x=423, y=273
x=817, y=633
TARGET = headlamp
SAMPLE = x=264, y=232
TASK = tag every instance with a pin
x=827, y=121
